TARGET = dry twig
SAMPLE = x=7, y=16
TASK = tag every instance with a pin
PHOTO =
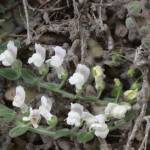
x=27, y=20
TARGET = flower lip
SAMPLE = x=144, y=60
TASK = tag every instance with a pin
x=41, y=50
x=12, y=48
x=19, y=97
x=84, y=70
x=75, y=115
x=34, y=117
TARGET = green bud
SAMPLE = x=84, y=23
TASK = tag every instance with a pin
x=130, y=95
x=97, y=71
x=131, y=72
x=99, y=76
x=43, y=70
x=53, y=121
x=135, y=86
x=117, y=82
x=130, y=23
x=134, y=8
x=117, y=89
x=99, y=84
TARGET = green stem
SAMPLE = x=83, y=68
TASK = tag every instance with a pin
x=54, y=88
x=62, y=83
x=99, y=94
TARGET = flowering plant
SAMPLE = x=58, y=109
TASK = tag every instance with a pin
x=38, y=118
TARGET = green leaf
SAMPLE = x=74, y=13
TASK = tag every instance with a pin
x=62, y=133
x=55, y=134
x=9, y=73
x=84, y=137
x=43, y=131
x=6, y=114
x=29, y=77
x=19, y=130
x=17, y=66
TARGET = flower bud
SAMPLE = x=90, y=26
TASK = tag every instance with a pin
x=130, y=95
x=52, y=121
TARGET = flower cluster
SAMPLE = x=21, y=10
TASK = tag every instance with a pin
x=34, y=114
x=77, y=116
x=79, y=78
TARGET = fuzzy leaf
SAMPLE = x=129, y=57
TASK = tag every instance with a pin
x=17, y=131
x=62, y=133
x=55, y=134
x=29, y=77
x=6, y=114
x=84, y=137
x=9, y=73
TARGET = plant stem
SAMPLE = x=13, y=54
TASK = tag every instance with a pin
x=55, y=88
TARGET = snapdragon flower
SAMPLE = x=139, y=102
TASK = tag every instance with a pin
x=96, y=123
x=57, y=60
x=19, y=98
x=80, y=76
x=100, y=129
x=75, y=115
x=38, y=58
x=8, y=57
x=45, y=108
x=117, y=111
x=90, y=118
x=34, y=117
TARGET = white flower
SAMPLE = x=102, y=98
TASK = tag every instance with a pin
x=117, y=111
x=109, y=108
x=97, y=123
x=100, y=129
x=80, y=76
x=19, y=97
x=45, y=107
x=88, y=118
x=56, y=61
x=8, y=57
x=75, y=115
x=34, y=117
x=38, y=58
x=91, y=119
x=101, y=118
x=120, y=111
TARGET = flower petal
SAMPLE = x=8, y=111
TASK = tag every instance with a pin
x=84, y=70
x=41, y=50
x=12, y=48
x=59, y=51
